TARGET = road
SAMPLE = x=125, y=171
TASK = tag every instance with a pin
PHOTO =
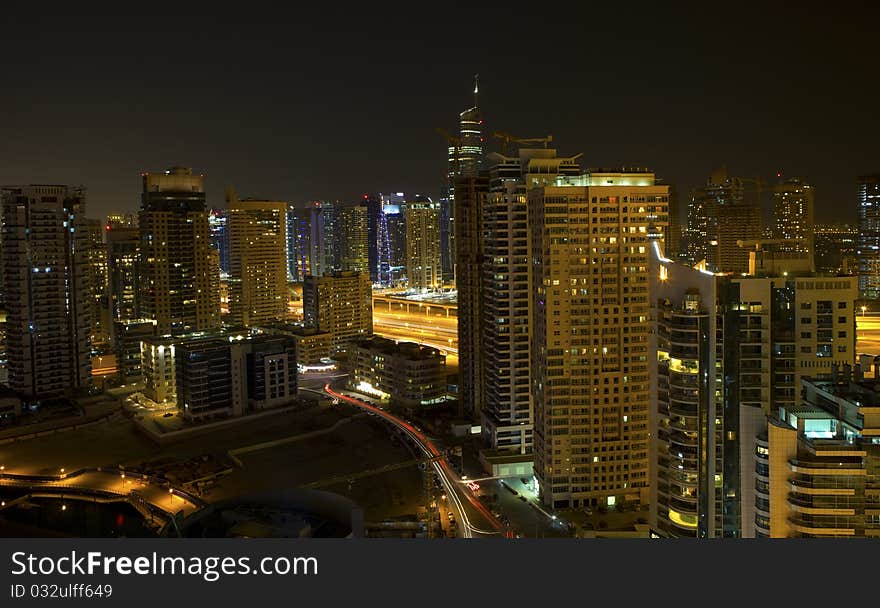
x=437, y=331
x=457, y=493
x=868, y=334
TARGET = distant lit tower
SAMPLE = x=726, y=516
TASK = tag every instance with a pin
x=257, y=257
x=373, y=204
x=352, y=239
x=423, y=243
x=98, y=283
x=464, y=160
x=868, y=251
x=383, y=247
x=46, y=269
x=718, y=217
x=393, y=207
x=177, y=290
x=305, y=242
x=220, y=237
x=793, y=215
x=123, y=252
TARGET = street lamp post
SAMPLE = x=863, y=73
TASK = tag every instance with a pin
x=864, y=310
x=171, y=498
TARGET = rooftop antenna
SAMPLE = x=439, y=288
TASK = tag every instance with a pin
x=476, y=88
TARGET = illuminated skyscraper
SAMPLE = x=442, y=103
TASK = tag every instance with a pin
x=589, y=334
x=305, y=242
x=352, y=238
x=868, y=251
x=464, y=160
x=46, y=267
x=99, y=284
x=257, y=253
x=835, y=246
x=507, y=416
x=340, y=304
x=177, y=290
x=217, y=225
x=423, y=244
x=793, y=215
x=718, y=217
x=123, y=253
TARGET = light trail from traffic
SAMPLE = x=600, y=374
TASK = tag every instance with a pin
x=441, y=466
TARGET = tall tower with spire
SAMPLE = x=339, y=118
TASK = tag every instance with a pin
x=464, y=160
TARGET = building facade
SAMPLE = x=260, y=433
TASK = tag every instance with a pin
x=258, y=290
x=49, y=299
x=589, y=326
x=340, y=304
x=813, y=469
x=868, y=251
x=423, y=271
x=177, y=290
x=407, y=374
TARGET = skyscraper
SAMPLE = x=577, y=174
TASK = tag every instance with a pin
x=423, y=244
x=472, y=194
x=589, y=332
x=123, y=255
x=394, y=207
x=718, y=217
x=351, y=239
x=793, y=213
x=340, y=304
x=257, y=254
x=217, y=226
x=373, y=205
x=176, y=286
x=726, y=349
x=464, y=160
x=45, y=265
x=99, y=283
x=306, y=249
x=507, y=415
x=868, y=251
x=835, y=248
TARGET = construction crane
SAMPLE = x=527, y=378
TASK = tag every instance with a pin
x=508, y=138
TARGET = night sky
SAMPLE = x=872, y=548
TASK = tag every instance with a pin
x=330, y=106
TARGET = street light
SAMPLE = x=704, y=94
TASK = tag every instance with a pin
x=170, y=497
x=864, y=309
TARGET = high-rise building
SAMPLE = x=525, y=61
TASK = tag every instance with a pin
x=464, y=158
x=99, y=284
x=835, y=248
x=507, y=417
x=121, y=220
x=127, y=337
x=394, y=208
x=793, y=214
x=341, y=304
x=48, y=295
x=257, y=260
x=351, y=238
x=589, y=331
x=177, y=290
x=473, y=191
x=123, y=257
x=812, y=470
x=375, y=232
x=724, y=347
x=718, y=217
x=219, y=231
x=306, y=242
x=868, y=251
x=423, y=270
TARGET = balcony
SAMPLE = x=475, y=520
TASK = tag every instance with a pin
x=811, y=528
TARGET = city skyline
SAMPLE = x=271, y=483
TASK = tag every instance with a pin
x=271, y=114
